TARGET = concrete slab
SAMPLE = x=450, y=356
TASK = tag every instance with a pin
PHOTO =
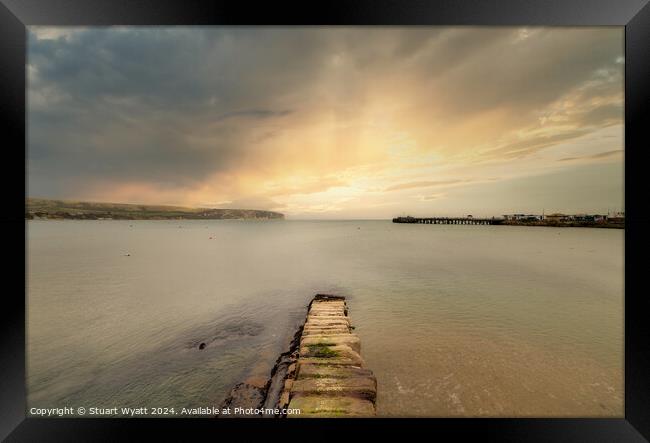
x=325, y=331
x=346, y=360
x=334, y=339
x=361, y=387
x=315, y=322
x=319, y=371
x=320, y=350
x=318, y=406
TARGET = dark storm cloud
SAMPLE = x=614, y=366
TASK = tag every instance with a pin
x=526, y=73
x=124, y=103
x=252, y=113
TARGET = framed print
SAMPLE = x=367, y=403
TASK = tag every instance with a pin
x=365, y=215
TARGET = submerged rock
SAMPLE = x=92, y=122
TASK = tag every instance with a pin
x=225, y=333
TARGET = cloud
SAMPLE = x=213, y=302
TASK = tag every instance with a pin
x=253, y=114
x=600, y=155
x=422, y=184
x=430, y=197
x=284, y=116
x=308, y=185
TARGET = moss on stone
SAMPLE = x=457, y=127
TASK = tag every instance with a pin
x=322, y=350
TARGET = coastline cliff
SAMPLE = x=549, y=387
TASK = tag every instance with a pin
x=38, y=208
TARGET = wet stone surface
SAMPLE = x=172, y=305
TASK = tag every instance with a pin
x=330, y=379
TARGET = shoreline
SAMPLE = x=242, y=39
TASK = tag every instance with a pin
x=566, y=225
x=503, y=223
x=90, y=218
x=471, y=221
x=38, y=208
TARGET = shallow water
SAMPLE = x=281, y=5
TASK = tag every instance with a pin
x=453, y=320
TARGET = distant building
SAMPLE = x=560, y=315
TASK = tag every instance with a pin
x=522, y=217
x=583, y=218
x=556, y=217
x=618, y=217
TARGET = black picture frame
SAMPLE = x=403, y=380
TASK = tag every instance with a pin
x=633, y=14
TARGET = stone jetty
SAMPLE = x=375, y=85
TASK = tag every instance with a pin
x=328, y=377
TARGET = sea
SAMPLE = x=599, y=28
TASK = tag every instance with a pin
x=454, y=320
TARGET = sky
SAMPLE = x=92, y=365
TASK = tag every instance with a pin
x=330, y=122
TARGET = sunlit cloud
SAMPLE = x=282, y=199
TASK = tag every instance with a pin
x=600, y=155
x=423, y=184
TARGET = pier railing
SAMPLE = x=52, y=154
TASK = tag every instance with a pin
x=449, y=220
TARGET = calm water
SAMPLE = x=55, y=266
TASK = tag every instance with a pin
x=453, y=320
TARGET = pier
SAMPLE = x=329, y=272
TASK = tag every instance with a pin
x=449, y=220
x=329, y=378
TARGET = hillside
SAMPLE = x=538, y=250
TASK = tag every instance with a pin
x=59, y=209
